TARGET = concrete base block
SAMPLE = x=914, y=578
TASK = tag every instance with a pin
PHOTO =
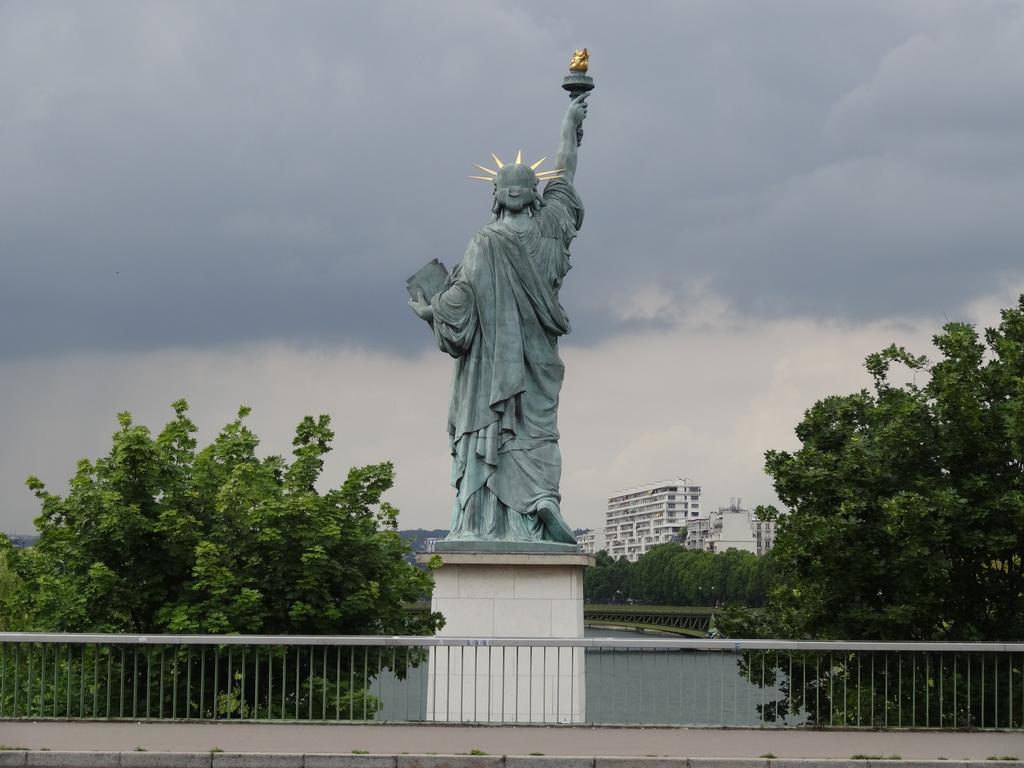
x=495, y=598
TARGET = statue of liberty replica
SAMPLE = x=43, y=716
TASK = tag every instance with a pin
x=498, y=314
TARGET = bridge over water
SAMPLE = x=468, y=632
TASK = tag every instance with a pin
x=688, y=621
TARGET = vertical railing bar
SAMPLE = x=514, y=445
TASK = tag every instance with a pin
x=1009, y=695
x=982, y=689
x=846, y=698
x=817, y=689
x=71, y=666
x=202, y=682
x=95, y=680
x=270, y=684
x=995, y=690
x=121, y=691
x=408, y=684
x=886, y=693
x=927, y=694
x=956, y=711
x=3, y=678
x=872, y=689
x=721, y=685
x=256, y=685
x=735, y=697
x=421, y=696
x=42, y=678
x=284, y=681
x=17, y=666
x=216, y=678
x=899, y=690
x=160, y=708
x=309, y=709
x=969, y=720
x=516, y=678
x=229, y=683
x=803, y=682
x=476, y=683
x=28, y=682
x=462, y=682
x=831, y=690
x=323, y=687
x=913, y=689
x=352, y=683
x=763, y=719
x=448, y=683
x=366, y=671
x=544, y=688
x=241, y=688
x=860, y=663
x=337, y=682
x=135, y=682
x=134, y=695
x=298, y=682
x=43, y=670
x=529, y=690
x=942, y=669
x=380, y=681
x=558, y=687
x=56, y=659
x=572, y=685
x=109, y=661
x=430, y=707
x=188, y=681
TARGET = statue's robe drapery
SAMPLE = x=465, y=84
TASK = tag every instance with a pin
x=501, y=319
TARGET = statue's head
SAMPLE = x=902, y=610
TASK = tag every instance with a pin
x=515, y=189
x=515, y=184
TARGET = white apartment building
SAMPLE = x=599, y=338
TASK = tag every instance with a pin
x=591, y=541
x=641, y=517
x=731, y=528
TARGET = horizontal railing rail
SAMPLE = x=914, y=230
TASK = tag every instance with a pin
x=596, y=680
x=652, y=643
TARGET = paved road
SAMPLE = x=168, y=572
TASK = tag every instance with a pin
x=509, y=740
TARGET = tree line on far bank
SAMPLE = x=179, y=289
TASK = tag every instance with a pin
x=672, y=575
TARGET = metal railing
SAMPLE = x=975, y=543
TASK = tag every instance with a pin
x=759, y=683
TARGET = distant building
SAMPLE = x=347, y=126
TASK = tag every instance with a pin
x=731, y=527
x=643, y=516
x=591, y=541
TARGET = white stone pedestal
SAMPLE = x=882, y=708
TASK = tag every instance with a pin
x=496, y=598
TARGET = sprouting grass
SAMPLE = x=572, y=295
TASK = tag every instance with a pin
x=1001, y=757
x=360, y=751
x=769, y=755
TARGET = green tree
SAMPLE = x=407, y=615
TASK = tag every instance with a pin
x=906, y=523
x=158, y=536
x=12, y=591
x=907, y=501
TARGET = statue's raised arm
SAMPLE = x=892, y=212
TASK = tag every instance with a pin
x=567, y=149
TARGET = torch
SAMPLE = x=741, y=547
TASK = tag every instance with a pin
x=578, y=81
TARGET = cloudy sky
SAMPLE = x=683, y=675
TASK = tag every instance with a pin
x=221, y=201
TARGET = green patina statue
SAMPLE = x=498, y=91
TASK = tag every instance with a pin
x=499, y=316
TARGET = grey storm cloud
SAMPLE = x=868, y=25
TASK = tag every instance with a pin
x=193, y=174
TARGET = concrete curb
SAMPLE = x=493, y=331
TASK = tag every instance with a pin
x=45, y=759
